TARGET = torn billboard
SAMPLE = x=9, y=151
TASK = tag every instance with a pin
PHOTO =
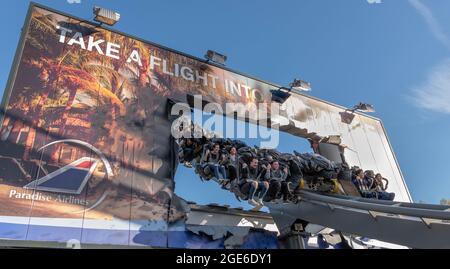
x=85, y=138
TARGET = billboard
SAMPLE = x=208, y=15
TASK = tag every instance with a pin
x=89, y=104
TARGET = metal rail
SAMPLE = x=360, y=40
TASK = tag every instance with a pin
x=408, y=224
x=406, y=209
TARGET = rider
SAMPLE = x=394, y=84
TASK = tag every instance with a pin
x=231, y=162
x=188, y=146
x=251, y=178
x=361, y=185
x=277, y=181
x=381, y=189
x=213, y=159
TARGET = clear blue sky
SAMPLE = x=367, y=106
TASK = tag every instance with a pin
x=395, y=55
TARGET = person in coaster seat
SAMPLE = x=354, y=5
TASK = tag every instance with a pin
x=277, y=182
x=188, y=147
x=213, y=160
x=361, y=185
x=251, y=181
x=231, y=163
x=381, y=189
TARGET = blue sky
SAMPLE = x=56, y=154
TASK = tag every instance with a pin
x=187, y=183
x=395, y=55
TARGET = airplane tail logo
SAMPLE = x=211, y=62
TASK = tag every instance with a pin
x=70, y=179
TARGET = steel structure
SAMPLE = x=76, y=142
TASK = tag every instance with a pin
x=410, y=224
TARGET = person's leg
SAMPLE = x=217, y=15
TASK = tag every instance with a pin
x=223, y=172
x=215, y=170
x=244, y=190
x=391, y=196
x=232, y=173
x=374, y=194
x=293, y=184
x=204, y=171
x=253, y=189
x=369, y=195
x=264, y=187
x=256, y=195
x=225, y=182
x=188, y=154
x=285, y=190
x=274, y=189
x=386, y=196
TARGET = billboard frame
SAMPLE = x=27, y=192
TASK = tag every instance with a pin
x=21, y=45
x=15, y=65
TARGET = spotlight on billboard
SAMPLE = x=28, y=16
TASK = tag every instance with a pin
x=348, y=115
x=105, y=16
x=281, y=94
x=300, y=85
x=363, y=107
x=215, y=57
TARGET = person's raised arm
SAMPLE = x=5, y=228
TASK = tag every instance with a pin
x=285, y=174
x=267, y=172
x=245, y=171
x=205, y=157
x=384, y=186
x=263, y=171
x=223, y=159
x=370, y=184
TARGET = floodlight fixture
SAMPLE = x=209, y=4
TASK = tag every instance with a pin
x=213, y=56
x=300, y=85
x=281, y=94
x=105, y=16
x=363, y=107
x=349, y=114
x=347, y=117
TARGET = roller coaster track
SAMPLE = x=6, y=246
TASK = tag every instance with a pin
x=409, y=224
